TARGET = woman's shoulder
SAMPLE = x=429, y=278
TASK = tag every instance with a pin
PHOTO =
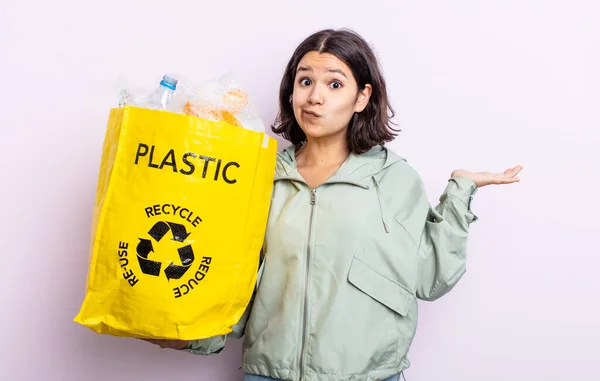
x=398, y=171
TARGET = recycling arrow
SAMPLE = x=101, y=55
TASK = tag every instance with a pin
x=179, y=232
x=161, y=228
x=158, y=231
x=146, y=265
x=186, y=254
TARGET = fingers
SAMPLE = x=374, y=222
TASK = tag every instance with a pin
x=517, y=170
x=161, y=343
x=513, y=171
x=170, y=344
x=506, y=179
x=511, y=180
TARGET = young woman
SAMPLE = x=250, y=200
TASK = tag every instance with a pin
x=351, y=241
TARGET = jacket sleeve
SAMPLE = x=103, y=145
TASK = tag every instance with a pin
x=443, y=243
x=216, y=345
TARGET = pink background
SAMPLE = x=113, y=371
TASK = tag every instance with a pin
x=477, y=84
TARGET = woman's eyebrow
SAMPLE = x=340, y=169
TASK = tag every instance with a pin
x=331, y=70
x=304, y=68
x=340, y=71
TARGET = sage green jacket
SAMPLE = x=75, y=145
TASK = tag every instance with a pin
x=343, y=267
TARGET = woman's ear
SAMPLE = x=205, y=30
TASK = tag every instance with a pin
x=363, y=98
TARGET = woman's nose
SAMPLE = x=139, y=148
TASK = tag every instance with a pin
x=315, y=96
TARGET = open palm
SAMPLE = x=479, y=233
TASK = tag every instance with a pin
x=487, y=178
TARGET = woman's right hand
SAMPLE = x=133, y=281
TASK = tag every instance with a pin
x=170, y=344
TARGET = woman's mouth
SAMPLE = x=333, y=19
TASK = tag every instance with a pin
x=310, y=114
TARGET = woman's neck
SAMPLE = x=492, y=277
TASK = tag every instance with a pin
x=322, y=152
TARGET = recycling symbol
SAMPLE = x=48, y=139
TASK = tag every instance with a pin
x=158, y=231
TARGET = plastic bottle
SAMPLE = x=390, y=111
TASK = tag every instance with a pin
x=163, y=95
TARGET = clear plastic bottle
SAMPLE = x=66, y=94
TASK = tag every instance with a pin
x=163, y=95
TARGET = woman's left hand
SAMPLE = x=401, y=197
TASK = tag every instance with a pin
x=486, y=178
x=170, y=344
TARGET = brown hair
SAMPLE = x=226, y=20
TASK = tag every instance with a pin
x=366, y=129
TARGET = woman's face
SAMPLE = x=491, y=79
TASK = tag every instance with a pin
x=326, y=95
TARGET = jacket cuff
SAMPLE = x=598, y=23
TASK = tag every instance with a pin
x=211, y=346
x=463, y=189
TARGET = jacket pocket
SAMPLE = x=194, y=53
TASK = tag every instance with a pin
x=384, y=290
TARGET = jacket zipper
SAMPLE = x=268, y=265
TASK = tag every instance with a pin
x=313, y=201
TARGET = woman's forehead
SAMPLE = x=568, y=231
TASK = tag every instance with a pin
x=323, y=62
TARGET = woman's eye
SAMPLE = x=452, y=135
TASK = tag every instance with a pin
x=335, y=85
x=305, y=82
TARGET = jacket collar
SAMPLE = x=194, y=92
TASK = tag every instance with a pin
x=358, y=169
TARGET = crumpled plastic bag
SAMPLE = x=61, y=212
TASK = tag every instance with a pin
x=219, y=99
